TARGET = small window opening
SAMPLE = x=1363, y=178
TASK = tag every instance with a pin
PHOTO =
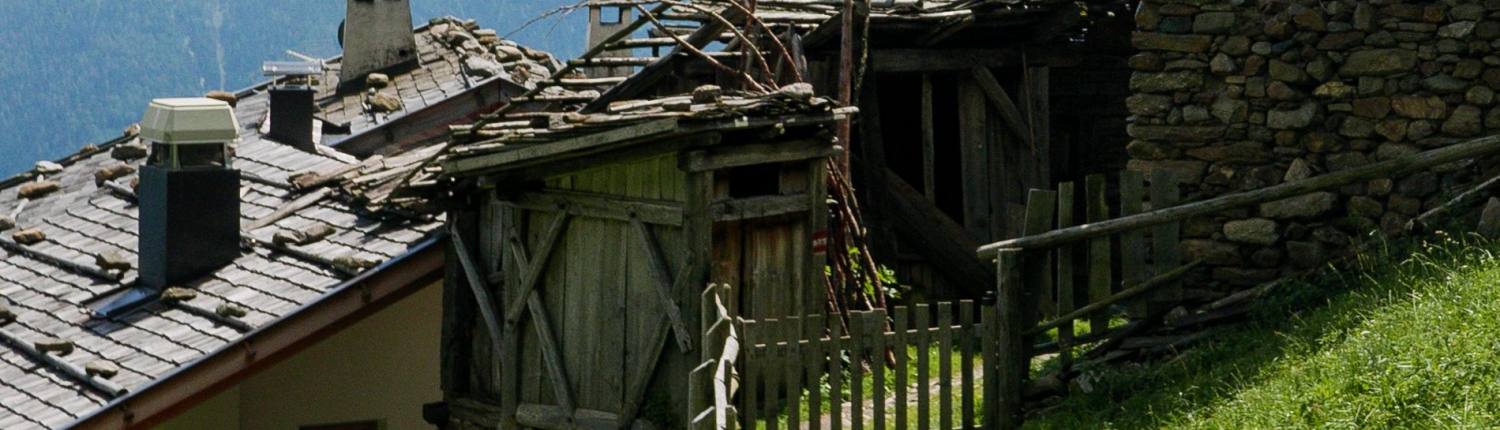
x=757, y=180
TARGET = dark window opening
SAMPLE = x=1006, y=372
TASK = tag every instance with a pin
x=757, y=180
x=612, y=15
x=356, y=425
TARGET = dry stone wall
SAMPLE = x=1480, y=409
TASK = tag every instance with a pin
x=1238, y=95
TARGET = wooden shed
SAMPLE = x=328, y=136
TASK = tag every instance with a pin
x=588, y=239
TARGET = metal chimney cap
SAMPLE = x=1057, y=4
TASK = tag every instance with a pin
x=188, y=121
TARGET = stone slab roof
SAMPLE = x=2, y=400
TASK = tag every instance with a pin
x=50, y=289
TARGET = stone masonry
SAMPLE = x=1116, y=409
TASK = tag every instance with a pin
x=1242, y=94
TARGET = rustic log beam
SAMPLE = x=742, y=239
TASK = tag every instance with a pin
x=602, y=206
x=1159, y=280
x=648, y=76
x=760, y=153
x=658, y=268
x=758, y=207
x=480, y=287
x=556, y=418
x=306, y=200
x=534, y=265
x=1002, y=100
x=1465, y=199
x=937, y=238
x=1385, y=169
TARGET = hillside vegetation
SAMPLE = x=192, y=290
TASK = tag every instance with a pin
x=77, y=72
x=1405, y=340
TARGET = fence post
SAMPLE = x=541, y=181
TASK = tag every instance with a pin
x=1012, y=349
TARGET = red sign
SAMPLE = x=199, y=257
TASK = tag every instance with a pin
x=820, y=242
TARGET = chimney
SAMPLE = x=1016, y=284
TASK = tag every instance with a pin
x=605, y=21
x=292, y=104
x=189, y=191
x=377, y=37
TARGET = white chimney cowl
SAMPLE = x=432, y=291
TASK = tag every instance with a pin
x=188, y=121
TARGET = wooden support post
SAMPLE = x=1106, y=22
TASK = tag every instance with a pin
x=929, y=142
x=1014, y=351
x=1065, y=256
x=1099, y=253
x=1040, y=205
x=1166, y=247
x=974, y=150
x=481, y=291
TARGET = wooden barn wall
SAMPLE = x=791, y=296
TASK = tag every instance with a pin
x=598, y=290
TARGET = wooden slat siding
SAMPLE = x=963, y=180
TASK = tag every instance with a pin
x=1166, y=245
x=875, y=329
x=856, y=347
x=512, y=357
x=902, y=323
x=793, y=371
x=1099, y=257
x=1132, y=243
x=1040, y=205
x=813, y=362
x=990, y=346
x=750, y=391
x=945, y=364
x=966, y=366
x=1014, y=355
x=1065, y=256
x=923, y=322
x=486, y=304
x=836, y=372
x=458, y=354
x=974, y=151
x=929, y=142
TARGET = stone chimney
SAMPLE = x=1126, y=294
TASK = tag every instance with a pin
x=377, y=37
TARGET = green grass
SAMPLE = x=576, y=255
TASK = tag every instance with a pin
x=1410, y=339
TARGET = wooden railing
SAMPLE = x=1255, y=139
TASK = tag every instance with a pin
x=1027, y=275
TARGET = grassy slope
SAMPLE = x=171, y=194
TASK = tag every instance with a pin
x=1403, y=342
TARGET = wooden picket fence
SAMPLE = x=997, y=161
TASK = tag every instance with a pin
x=949, y=365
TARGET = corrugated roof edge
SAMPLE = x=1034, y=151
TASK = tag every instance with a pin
x=343, y=306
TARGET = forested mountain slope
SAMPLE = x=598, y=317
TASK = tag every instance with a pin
x=79, y=71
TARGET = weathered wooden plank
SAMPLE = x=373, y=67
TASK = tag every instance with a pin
x=1008, y=111
x=901, y=323
x=754, y=356
x=602, y=206
x=758, y=207
x=875, y=329
x=774, y=358
x=1014, y=355
x=836, y=372
x=1065, y=273
x=480, y=288
x=648, y=76
x=300, y=203
x=923, y=324
x=1040, y=206
x=658, y=266
x=793, y=371
x=468, y=166
x=1133, y=242
x=558, y=418
x=1165, y=243
x=875, y=207
x=937, y=238
x=1144, y=286
x=1038, y=100
x=945, y=364
x=938, y=60
x=1099, y=252
x=757, y=153
x=817, y=226
x=1385, y=169
x=966, y=362
x=929, y=142
x=974, y=149
x=533, y=266
x=816, y=358
x=550, y=356
x=990, y=346
x=858, y=339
